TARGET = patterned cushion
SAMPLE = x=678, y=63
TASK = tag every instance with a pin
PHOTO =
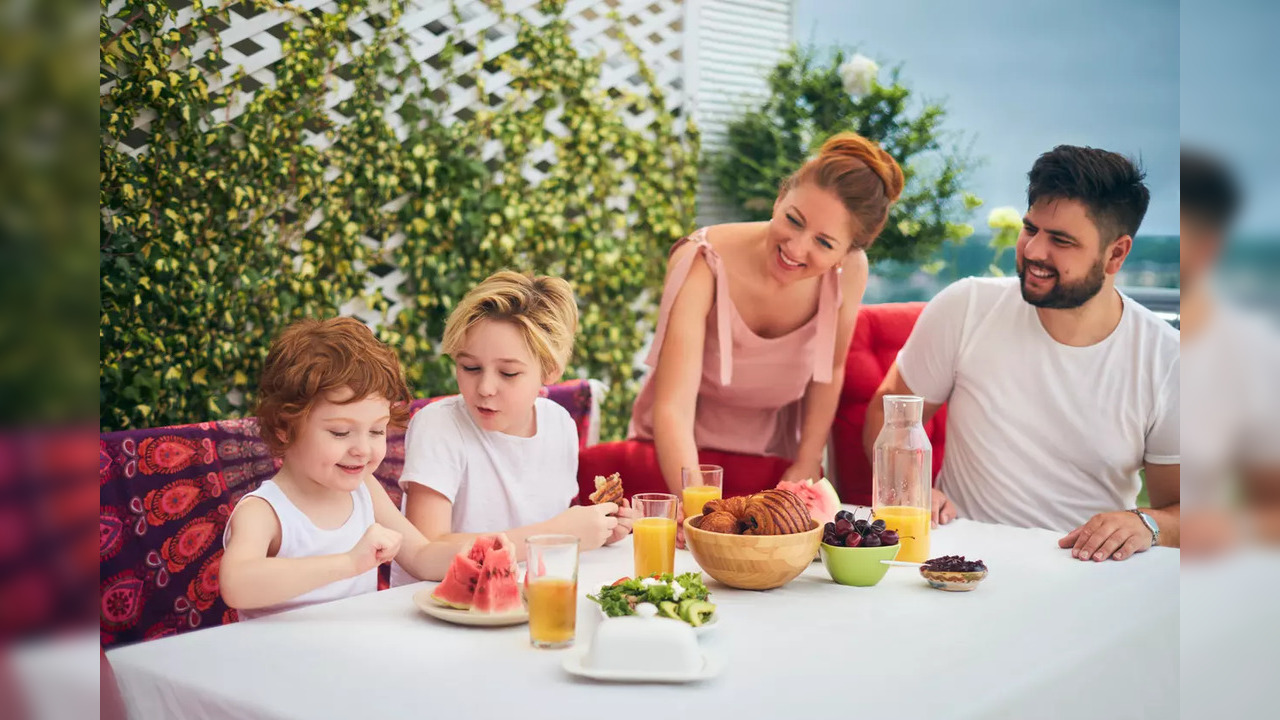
x=881, y=332
x=166, y=494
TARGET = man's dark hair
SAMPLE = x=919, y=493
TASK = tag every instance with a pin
x=1209, y=189
x=1108, y=184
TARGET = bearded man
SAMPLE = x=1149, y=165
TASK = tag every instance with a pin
x=1062, y=392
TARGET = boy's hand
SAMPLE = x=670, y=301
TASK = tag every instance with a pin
x=592, y=524
x=625, y=515
x=378, y=545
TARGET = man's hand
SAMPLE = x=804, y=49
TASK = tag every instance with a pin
x=1115, y=535
x=943, y=511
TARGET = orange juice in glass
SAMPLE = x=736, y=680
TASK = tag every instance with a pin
x=654, y=533
x=551, y=589
x=553, y=608
x=912, y=526
x=700, y=485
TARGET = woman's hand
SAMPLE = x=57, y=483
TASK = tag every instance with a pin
x=803, y=470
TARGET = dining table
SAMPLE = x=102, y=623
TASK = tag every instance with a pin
x=1045, y=635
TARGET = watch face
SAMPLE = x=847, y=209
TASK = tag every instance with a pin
x=1150, y=522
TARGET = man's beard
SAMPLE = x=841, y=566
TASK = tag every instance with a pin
x=1063, y=295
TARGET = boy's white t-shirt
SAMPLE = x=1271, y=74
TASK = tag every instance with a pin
x=495, y=481
x=1041, y=434
x=300, y=538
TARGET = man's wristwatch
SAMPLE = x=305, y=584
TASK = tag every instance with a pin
x=1150, y=522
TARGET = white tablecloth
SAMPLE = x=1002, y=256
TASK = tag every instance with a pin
x=1044, y=636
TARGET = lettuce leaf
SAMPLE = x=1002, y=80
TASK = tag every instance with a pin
x=621, y=598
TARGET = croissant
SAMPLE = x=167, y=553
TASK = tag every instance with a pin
x=776, y=512
x=719, y=522
x=735, y=506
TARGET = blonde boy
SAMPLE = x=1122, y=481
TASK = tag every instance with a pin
x=497, y=457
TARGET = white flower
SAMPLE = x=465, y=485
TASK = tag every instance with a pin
x=1004, y=218
x=858, y=74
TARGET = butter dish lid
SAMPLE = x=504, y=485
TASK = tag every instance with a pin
x=644, y=642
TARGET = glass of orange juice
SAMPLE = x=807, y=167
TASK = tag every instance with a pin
x=700, y=485
x=551, y=589
x=654, y=533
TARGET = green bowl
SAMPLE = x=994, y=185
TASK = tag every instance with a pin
x=859, y=566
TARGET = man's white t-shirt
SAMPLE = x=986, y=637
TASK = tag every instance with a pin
x=495, y=481
x=1041, y=434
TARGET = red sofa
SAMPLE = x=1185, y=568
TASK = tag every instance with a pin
x=881, y=332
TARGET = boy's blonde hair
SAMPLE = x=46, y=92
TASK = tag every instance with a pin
x=542, y=308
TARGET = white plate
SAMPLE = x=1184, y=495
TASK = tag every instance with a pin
x=574, y=666
x=423, y=600
x=702, y=629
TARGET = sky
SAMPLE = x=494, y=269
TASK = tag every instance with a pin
x=1021, y=76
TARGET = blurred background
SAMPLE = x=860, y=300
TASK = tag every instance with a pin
x=263, y=161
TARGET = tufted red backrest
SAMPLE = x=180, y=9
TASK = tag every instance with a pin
x=881, y=332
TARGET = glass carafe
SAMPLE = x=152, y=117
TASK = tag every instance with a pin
x=902, y=475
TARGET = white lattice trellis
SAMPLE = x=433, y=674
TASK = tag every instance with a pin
x=252, y=42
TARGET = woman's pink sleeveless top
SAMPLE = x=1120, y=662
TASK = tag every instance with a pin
x=750, y=399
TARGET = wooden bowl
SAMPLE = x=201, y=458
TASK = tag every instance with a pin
x=752, y=562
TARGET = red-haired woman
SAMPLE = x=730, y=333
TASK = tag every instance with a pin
x=753, y=329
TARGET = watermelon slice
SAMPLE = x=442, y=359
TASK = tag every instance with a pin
x=459, y=584
x=479, y=548
x=819, y=497
x=497, y=591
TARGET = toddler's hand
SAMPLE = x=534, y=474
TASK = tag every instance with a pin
x=378, y=545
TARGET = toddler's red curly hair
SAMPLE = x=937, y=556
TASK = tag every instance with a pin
x=313, y=358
